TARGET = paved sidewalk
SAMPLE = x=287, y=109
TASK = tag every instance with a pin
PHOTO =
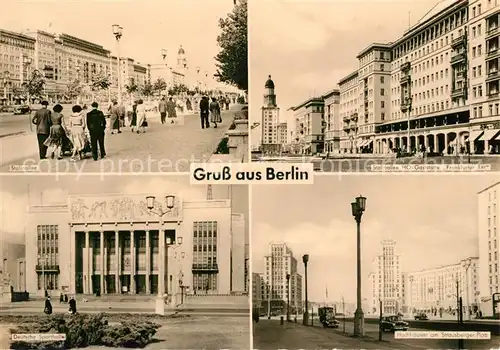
x=163, y=148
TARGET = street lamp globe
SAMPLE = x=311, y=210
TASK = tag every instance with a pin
x=168, y=240
x=354, y=207
x=305, y=258
x=150, y=202
x=117, y=29
x=164, y=53
x=170, y=199
x=361, y=202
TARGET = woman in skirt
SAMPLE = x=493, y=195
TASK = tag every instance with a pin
x=77, y=129
x=215, y=112
x=57, y=132
x=141, y=117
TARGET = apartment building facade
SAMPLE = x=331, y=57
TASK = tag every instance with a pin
x=437, y=289
x=489, y=257
x=331, y=116
x=310, y=125
x=434, y=88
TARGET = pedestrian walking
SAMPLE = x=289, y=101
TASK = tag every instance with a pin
x=215, y=112
x=76, y=126
x=172, y=114
x=48, y=306
x=115, y=118
x=162, y=108
x=43, y=123
x=96, y=124
x=204, y=111
x=57, y=132
x=141, y=117
x=133, y=123
x=72, y=305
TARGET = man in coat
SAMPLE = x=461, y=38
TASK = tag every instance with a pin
x=162, y=108
x=172, y=114
x=96, y=123
x=204, y=112
x=43, y=122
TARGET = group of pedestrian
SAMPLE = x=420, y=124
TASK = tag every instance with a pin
x=133, y=115
x=167, y=108
x=210, y=109
x=63, y=298
x=57, y=134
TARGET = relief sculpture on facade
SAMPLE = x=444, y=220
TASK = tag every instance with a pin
x=118, y=209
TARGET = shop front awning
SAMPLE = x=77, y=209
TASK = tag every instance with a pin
x=362, y=143
x=475, y=134
x=489, y=135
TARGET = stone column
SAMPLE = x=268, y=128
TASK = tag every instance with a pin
x=86, y=264
x=103, y=269
x=148, y=263
x=117, y=262
x=132, y=262
x=161, y=262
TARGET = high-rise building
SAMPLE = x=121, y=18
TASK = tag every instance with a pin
x=435, y=289
x=257, y=289
x=270, y=137
x=386, y=281
x=278, y=264
x=310, y=126
x=283, y=133
x=332, y=120
x=489, y=257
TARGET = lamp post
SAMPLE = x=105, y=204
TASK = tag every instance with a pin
x=154, y=208
x=305, y=260
x=118, y=32
x=268, y=302
x=408, y=101
x=358, y=207
x=288, y=297
x=466, y=265
x=6, y=82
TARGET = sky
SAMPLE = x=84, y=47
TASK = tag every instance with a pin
x=308, y=46
x=17, y=193
x=431, y=218
x=148, y=25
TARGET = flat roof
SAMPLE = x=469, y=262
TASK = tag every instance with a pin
x=331, y=93
x=308, y=102
x=489, y=187
x=373, y=47
x=348, y=77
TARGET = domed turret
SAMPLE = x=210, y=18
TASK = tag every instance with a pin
x=269, y=83
x=181, y=51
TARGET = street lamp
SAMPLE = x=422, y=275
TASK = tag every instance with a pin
x=118, y=33
x=6, y=81
x=305, y=260
x=164, y=242
x=466, y=265
x=288, y=297
x=358, y=207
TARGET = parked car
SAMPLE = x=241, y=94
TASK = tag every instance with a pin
x=393, y=323
x=327, y=317
x=22, y=109
x=421, y=317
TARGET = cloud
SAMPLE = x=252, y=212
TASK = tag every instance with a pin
x=12, y=215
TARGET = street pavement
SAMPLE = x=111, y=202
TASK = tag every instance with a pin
x=163, y=148
x=269, y=334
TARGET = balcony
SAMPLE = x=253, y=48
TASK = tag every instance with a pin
x=405, y=107
x=458, y=92
x=458, y=41
x=457, y=58
x=492, y=54
x=405, y=67
x=214, y=268
x=492, y=75
x=47, y=268
x=353, y=125
x=461, y=76
x=346, y=118
x=354, y=117
x=405, y=79
x=346, y=126
x=494, y=94
x=366, y=99
x=495, y=31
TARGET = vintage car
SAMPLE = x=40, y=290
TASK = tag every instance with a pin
x=421, y=317
x=327, y=317
x=393, y=323
x=22, y=109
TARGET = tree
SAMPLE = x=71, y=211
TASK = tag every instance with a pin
x=100, y=82
x=35, y=85
x=178, y=89
x=159, y=85
x=148, y=89
x=232, y=60
x=74, y=89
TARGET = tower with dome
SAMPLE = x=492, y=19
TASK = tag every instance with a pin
x=270, y=125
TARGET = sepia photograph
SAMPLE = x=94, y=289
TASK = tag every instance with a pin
x=353, y=86
x=124, y=262
x=122, y=86
x=367, y=262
